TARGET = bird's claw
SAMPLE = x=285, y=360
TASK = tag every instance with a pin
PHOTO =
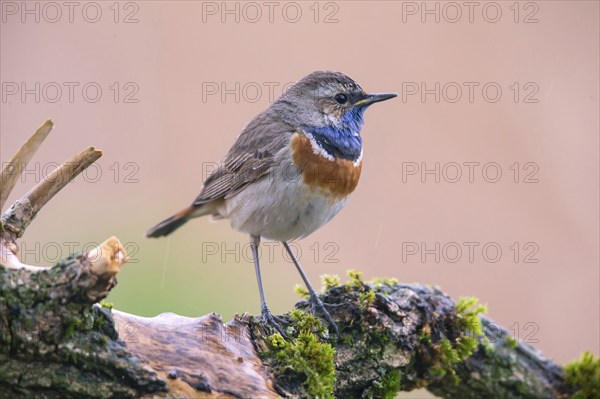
x=274, y=321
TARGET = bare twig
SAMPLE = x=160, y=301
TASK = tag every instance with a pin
x=16, y=219
x=13, y=169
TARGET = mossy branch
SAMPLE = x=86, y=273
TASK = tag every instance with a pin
x=405, y=337
x=57, y=342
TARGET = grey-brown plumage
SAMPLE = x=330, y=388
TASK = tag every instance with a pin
x=252, y=155
x=291, y=169
x=250, y=158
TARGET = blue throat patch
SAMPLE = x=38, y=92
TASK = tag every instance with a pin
x=342, y=141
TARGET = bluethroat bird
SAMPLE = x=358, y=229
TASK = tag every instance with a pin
x=290, y=170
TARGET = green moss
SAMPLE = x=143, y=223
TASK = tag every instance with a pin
x=366, y=299
x=107, y=305
x=468, y=312
x=99, y=322
x=366, y=294
x=379, y=282
x=584, y=376
x=347, y=339
x=469, y=322
x=387, y=387
x=303, y=292
x=391, y=384
x=465, y=346
x=306, y=322
x=449, y=355
x=355, y=278
x=425, y=335
x=330, y=281
x=489, y=349
x=70, y=326
x=512, y=343
x=304, y=354
x=449, y=352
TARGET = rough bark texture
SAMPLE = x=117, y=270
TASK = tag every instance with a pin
x=507, y=371
x=56, y=343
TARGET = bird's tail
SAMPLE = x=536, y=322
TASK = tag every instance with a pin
x=171, y=224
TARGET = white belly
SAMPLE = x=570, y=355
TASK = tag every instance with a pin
x=280, y=209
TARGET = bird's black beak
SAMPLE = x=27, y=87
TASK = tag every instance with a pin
x=369, y=99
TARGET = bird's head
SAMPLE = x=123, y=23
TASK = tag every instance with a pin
x=330, y=106
x=331, y=98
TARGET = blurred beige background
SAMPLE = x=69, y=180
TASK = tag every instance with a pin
x=496, y=88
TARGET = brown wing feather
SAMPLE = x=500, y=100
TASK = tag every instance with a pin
x=251, y=157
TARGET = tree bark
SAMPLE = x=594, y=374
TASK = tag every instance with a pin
x=57, y=342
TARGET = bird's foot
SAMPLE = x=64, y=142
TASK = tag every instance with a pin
x=317, y=305
x=273, y=321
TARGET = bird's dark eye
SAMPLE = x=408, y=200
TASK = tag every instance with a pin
x=341, y=98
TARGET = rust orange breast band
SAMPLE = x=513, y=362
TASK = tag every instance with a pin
x=337, y=177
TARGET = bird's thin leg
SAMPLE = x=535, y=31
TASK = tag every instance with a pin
x=266, y=313
x=314, y=299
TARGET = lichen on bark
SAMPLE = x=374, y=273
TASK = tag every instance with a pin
x=55, y=343
x=401, y=337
